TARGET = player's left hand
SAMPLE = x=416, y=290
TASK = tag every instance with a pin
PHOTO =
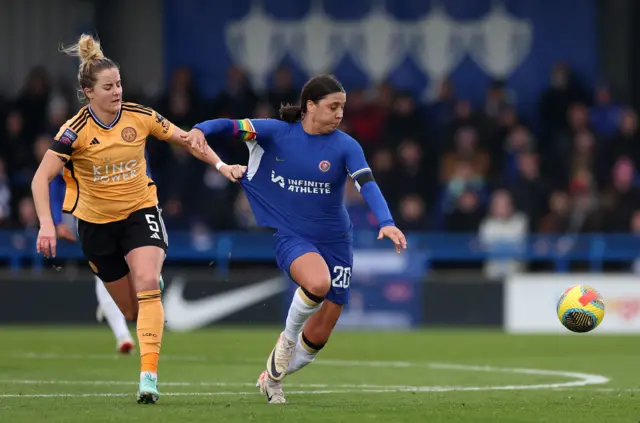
x=196, y=140
x=395, y=235
x=233, y=172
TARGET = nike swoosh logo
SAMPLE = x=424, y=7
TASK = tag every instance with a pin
x=278, y=159
x=183, y=315
x=274, y=372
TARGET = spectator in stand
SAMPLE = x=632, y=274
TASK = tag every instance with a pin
x=624, y=192
x=463, y=179
x=466, y=216
x=605, y=114
x=562, y=142
x=365, y=119
x=441, y=112
x=446, y=153
x=412, y=213
x=411, y=174
x=503, y=230
x=624, y=142
x=17, y=148
x=34, y=100
x=563, y=91
x=466, y=146
x=530, y=191
x=558, y=218
x=405, y=121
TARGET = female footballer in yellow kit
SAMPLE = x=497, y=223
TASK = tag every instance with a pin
x=119, y=223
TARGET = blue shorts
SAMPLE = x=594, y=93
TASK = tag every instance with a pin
x=338, y=255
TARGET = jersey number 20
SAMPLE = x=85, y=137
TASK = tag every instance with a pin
x=342, y=278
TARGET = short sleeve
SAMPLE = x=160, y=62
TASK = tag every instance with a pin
x=265, y=130
x=63, y=143
x=159, y=126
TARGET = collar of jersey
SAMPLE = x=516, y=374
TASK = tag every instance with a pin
x=102, y=125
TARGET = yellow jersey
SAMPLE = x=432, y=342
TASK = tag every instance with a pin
x=105, y=166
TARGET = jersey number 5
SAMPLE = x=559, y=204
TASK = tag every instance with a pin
x=153, y=225
x=343, y=277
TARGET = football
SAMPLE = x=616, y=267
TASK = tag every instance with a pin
x=580, y=308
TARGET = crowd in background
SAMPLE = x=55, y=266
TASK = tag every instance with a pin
x=444, y=165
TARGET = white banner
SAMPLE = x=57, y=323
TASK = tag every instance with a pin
x=530, y=302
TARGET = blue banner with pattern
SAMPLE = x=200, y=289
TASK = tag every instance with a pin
x=411, y=43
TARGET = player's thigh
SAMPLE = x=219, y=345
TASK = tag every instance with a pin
x=144, y=242
x=319, y=327
x=145, y=264
x=310, y=271
x=302, y=262
x=106, y=259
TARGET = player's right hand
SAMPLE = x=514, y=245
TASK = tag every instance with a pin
x=65, y=232
x=196, y=140
x=46, y=242
x=395, y=235
x=233, y=172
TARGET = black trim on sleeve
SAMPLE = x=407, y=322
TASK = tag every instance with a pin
x=364, y=178
x=62, y=148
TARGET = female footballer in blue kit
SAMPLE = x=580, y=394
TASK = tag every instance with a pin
x=295, y=182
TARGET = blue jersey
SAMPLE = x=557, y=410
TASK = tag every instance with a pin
x=295, y=181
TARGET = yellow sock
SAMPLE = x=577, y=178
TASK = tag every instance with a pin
x=150, y=328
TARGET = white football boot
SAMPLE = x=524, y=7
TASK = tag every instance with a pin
x=280, y=357
x=272, y=389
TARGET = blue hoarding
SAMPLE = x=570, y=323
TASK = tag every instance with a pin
x=412, y=44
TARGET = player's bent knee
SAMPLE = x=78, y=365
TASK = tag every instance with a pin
x=316, y=286
x=310, y=271
x=146, y=281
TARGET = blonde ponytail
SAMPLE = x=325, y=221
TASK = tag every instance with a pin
x=87, y=49
x=92, y=61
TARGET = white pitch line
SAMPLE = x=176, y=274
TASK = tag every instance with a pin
x=96, y=394
x=60, y=395
x=201, y=384
x=583, y=379
x=610, y=390
x=579, y=380
x=322, y=392
x=178, y=394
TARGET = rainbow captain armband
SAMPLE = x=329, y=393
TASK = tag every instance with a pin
x=244, y=130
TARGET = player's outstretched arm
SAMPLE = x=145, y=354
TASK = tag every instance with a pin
x=207, y=155
x=371, y=193
x=50, y=166
x=261, y=130
x=362, y=175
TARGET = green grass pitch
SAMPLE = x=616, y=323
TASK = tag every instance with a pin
x=54, y=374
